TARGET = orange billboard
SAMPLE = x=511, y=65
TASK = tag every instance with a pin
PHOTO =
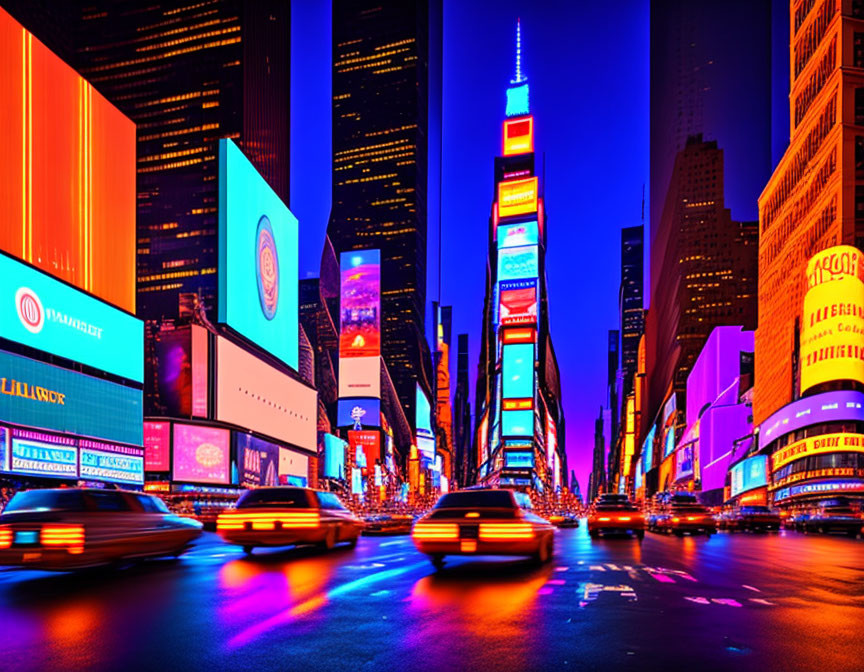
x=67, y=171
x=518, y=136
x=517, y=197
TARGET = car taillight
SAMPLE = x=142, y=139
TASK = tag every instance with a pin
x=5, y=537
x=694, y=517
x=503, y=531
x=233, y=520
x=604, y=519
x=70, y=536
x=435, y=531
x=675, y=520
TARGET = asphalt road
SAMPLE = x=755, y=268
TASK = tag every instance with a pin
x=733, y=602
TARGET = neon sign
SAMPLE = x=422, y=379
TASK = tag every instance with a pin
x=817, y=445
x=517, y=197
x=518, y=136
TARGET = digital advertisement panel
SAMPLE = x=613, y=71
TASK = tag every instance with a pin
x=360, y=304
x=174, y=355
x=369, y=442
x=4, y=449
x=252, y=394
x=108, y=462
x=200, y=371
x=257, y=258
x=820, y=408
x=334, y=456
x=518, y=136
x=423, y=412
x=201, y=454
x=257, y=461
x=684, y=462
x=518, y=235
x=39, y=458
x=360, y=377
x=518, y=371
x=519, y=459
x=518, y=302
x=832, y=324
x=42, y=396
x=818, y=445
x=38, y=311
x=517, y=423
x=358, y=413
x=648, y=448
x=67, y=172
x=749, y=474
x=292, y=464
x=517, y=197
x=518, y=263
x=157, y=446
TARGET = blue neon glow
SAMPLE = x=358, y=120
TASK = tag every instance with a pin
x=517, y=101
x=648, y=449
x=749, y=474
x=44, y=459
x=518, y=371
x=519, y=460
x=114, y=467
x=518, y=263
x=369, y=413
x=517, y=423
x=334, y=456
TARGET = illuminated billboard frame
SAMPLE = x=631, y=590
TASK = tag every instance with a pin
x=518, y=371
x=518, y=263
x=815, y=410
x=157, y=446
x=517, y=423
x=518, y=302
x=201, y=454
x=518, y=459
x=365, y=412
x=517, y=197
x=518, y=136
x=749, y=474
x=112, y=463
x=843, y=442
x=517, y=234
x=334, y=456
x=258, y=258
x=360, y=304
x=518, y=335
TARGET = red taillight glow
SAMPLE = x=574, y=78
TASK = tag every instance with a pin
x=624, y=518
x=71, y=536
x=436, y=531
x=235, y=520
x=604, y=519
x=505, y=531
x=5, y=537
x=694, y=517
x=675, y=520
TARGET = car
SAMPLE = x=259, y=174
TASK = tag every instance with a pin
x=62, y=529
x=654, y=508
x=388, y=523
x=483, y=521
x=796, y=520
x=750, y=518
x=563, y=519
x=615, y=514
x=286, y=516
x=682, y=513
x=832, y=517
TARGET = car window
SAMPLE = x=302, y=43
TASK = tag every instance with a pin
x=152, y=504
x=46, y=500
x=523, y=500
x=109, y=501
x=329, y=500
x=291, y=498
x=473, y=499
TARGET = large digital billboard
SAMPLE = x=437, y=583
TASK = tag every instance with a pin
x=749, y=474
x=518, y=136
x=517, y=197
x=821, y=408
x=67, y=171
x=518, y=302
x=157, y=446
x=518, y=371
x=358, y=413
x=518, y=234
x=369, y=442
x=360, y=377
x=293, y=466
x=334, y=456
x=252, y=394
x=518, y=263
x=684, y=461
x=517, y=423
x=40, y=458
x=201, y=454
x=519, y=459
x=832, y=325
x=38, y=311
x=257, y=258
x=42, y=396
x=108, y=462
x=818, y=445
x=257, y=461
x=648, y=448
x=360, y=304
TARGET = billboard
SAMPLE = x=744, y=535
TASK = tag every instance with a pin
x=4, y=448
x=518, y=335
x=749, y=474
x=517, y=423
x=821, y=408
x=518, y=136
x=293, y=465
x=518, y=302
x=684, y=462
x=518, y=371
x=358, y=413
x=47, y=397
x=426, y=447
x=201, y=454
x=334, y=457
x=817, y=445
x=157, y=446
x=257, y=396
x=360, y=377
x=67, y=172
x=832, y=324
x=257, y=461
x=41, y=458
x=38, y=311
x=423, y=413
x=517, y=197
x=360, y=304
x=257, y=258
x=200, y=371
x=367, y=441
x=519, y=459
x=109, y=462
x=648, y=449
x=518, y=263
x=518, y=234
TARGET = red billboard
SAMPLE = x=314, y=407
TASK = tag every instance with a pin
x=67, y=171
x=157, y=446
x=370, y=442
x=518, y=302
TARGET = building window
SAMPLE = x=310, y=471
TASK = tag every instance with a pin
x=859, y=104
x=858, y=9
x=858, y=50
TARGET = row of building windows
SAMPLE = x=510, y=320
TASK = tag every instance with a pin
x=809, y=41
x=817, y=81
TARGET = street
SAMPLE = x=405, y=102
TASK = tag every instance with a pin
x=780, y=601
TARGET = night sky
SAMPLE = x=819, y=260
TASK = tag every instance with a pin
x=588, y=71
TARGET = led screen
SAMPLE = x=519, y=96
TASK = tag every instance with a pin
x=518, y=235
x=48, y=397
x=684, y=462
x=749, y=474
x=517, y=197
x=201, y=454
x=817, y=445
x=292, y=464
x=334, y=456
x=257, y=396
x=55, y=460
x=518, y=302
x=358, y=413
x=360, y=304
x=4, y=449
x=257, y=461
x=360, y=377
x=518, y=263
x=426, y=446
x=518, y=136
x=820, y=408
x=49, y=315
x=67, y=172
x=157, y=446
x=257, y=258
x=175, y=373
x=648, y=448
x=369, y=442
x=112, y=463
x=517, y=423
x=200, y=371
x=519, y=459
x=518, y=371
x=669, y=445
x=423, y=414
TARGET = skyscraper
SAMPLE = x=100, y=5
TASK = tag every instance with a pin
x=386, y=153
x=462, y=417
x=598, y=471
x=631, y=313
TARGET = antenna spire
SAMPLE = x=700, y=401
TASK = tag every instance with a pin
x=519, y=77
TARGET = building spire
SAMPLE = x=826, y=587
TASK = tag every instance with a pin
x=519, y=77
x=517, y=92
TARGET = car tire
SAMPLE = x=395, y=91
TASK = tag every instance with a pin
x=329, y=539
x=248, y=550
x=544, y=551
x=437, y=561
x=352, y=543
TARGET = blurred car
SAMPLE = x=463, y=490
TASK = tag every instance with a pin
x=483, y=522
x=795, y=520
x=388, y=523
x=682, y=513
x=73, y=528
x=563, y=519
x=285, y=515
x=654, y=508
x=749, y=518
x=834, y=517
x=615, y=514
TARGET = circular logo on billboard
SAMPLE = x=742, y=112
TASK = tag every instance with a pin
x=267, y=268
x=30, y=310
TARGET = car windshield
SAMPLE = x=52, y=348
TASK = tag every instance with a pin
x=46, y=500
x=474, y=499
x=290, y=498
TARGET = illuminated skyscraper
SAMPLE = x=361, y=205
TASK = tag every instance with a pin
x=464, y=464
x=386, y=153
x=630, y=310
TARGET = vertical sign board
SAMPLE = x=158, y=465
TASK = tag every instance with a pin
x=360, y=324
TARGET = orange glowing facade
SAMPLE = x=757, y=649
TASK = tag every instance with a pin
x=67, y=171
x=815, y=198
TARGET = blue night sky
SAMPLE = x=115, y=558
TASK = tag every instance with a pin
x=588, y=71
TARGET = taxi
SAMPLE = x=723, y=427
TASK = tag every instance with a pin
x=615, y=514
x=483, y=522
x=682, y=513
x=286, y=516
x=73, y=528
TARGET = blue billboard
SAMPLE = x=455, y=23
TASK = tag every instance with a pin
x=517, y=423
x=522, y=459
x=362, y=412
x=114, y=465
x=257, y=258
x=43, y=313
x=648, y=449
x=334, y=456
x=517, y=235
x=749, y=474
x=517, y=263
x=257, y=461
x=518, y=371
x=42, y=396
x=38, y=458
x=669, y=442
x=423, y=414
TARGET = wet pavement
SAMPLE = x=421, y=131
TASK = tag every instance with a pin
x=733, y=602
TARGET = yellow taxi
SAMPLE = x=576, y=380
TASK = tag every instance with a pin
x=483, y=522
x=612, y=513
